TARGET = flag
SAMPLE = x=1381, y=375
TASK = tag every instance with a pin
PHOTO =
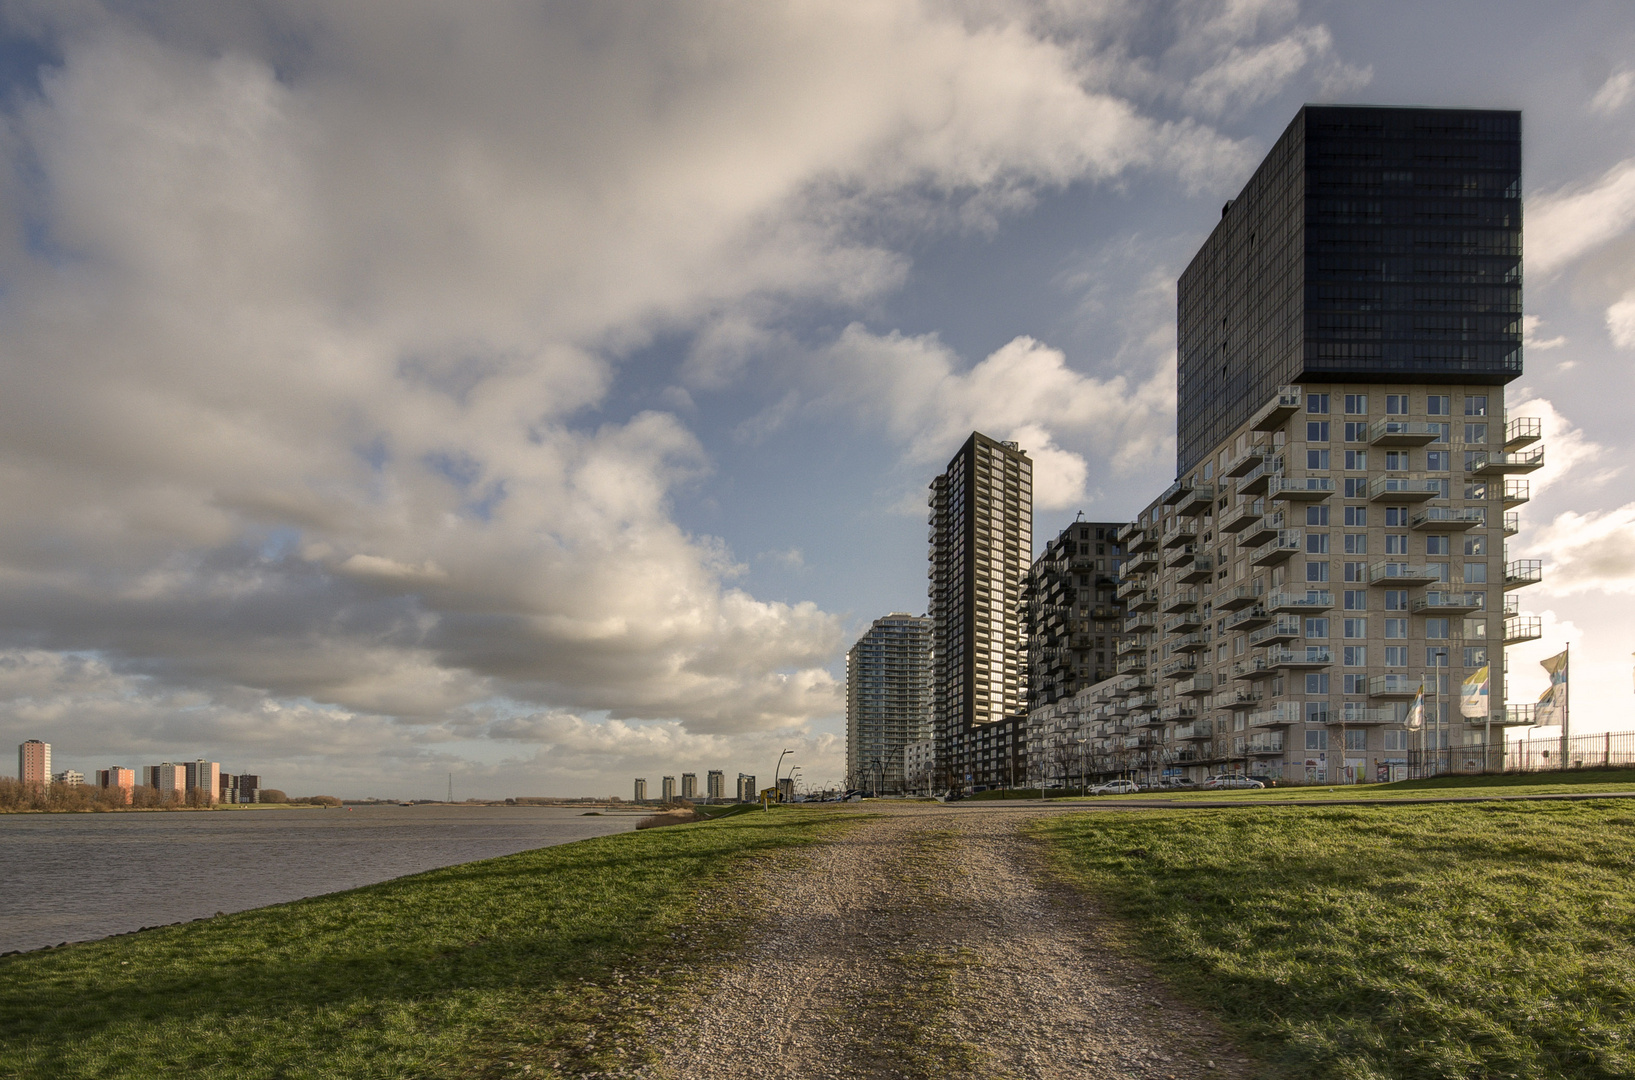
x=1474, y=698
x=1547, y=713
x=1416, y=711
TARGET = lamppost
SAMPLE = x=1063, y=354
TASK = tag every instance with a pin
x=775, y=773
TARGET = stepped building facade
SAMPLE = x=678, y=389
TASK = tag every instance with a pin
x=888, y=701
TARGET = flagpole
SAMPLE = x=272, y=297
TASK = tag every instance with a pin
x=1566, y=722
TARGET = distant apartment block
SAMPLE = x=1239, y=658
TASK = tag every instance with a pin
x=117, y=778
x=747, y=791
x=238, y=788
x=715, y=785
x=667, y=789
x=203, y=777
x=166, y=777
x=689, y=785
x=640, y=794
x=34, y=762
x=920, y=765
x=889, y=700
x=68, y=778
x=1074, y=616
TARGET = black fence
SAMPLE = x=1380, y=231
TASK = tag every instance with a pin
x=1607, y=749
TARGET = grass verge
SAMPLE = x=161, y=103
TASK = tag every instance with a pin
x=536, y=964
x=1492, y=940
x=1576, y=782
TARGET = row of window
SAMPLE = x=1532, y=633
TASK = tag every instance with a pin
x=1398, y=404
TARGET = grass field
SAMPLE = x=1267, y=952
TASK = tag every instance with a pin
x=1577, y=782
x=478, y=970
x=1442, y=942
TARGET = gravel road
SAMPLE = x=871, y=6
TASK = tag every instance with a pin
x=928, y=943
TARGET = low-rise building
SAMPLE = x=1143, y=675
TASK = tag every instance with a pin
x=68, y=778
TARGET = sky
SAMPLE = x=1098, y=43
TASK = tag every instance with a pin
x=544, y=395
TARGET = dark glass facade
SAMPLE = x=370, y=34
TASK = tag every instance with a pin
x=1372, y=245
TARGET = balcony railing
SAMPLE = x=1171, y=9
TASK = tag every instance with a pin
x=1179, y=668
x=1279, y=632
x=1523, y=572
x=1450, y=519
x=1188, y=643
x=1449, y=603
x=1264, y=528
x=1180, y=601
x=1276, y=412
x=1309, y=601
x=1136, y=623
x=1259, y=746
x=1499, y=462
x=1241, y=516
x=1282, y=714
x=1313, y=656
x=1198, y=729
x=1180, y=556
x=1287, y=543
x=1254, y=455
x=1197, y=686
x=1360, y=716
x=1512, y=524
x=1403, y=433
x=1179, y=624
x=1254, y=481
x=1519, y=628
x=1239, y=597
x=1516, y=492
x=1255, y=667
x=1179, y=531
x=1198, y=499
x=1403, y=489
x=1249, y=618
x=1126, y=533
x=1239, y=699
x=1401, y=573
x=1202, y=569
x=1300, y=488
x=1394, y=686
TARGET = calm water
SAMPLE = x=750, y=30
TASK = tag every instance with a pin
x=74, y=877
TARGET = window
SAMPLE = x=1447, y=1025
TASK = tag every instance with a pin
x=1436, y=629
x=1355, y=628
x=1437, y=405
x=1475, y=404
x=1475, y=573
x=1436, y=545
x=1317, y=431
x=1318, y=516
x=1316, y=683
x=1356, y=543
x=1316, y=713
x=1475, y=491
x=1356, y=517
x=1396, y=656
x=1317, y=404
x=1354, y=656
x=1356, y=487
x=1396, y=600
x=1396, y=629
x=1356, y=571
x=1437, y=460
x=1356, y=740
x=1475, y=544
x=1317, y=543
x=1396, y=543
x=1317, y=571
x=1438, y=570
x=1356, y=599
x=1475, y=629
x=1396, y=460
x=1396, y=517
x=1441, y=430
x=1355, y=684
x=1317, y=628
x=1396, y=740
x=1316, y=459
x=1396, y=404
x=1356, y=460
x=1356, y=431
x=1436, y=656
x=1476, y=433
x=1475, y=655
x=1356, y=404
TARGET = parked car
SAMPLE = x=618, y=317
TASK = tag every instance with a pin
x=1117, y=787
x=1227, y=781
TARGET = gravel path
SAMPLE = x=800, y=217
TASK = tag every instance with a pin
x=926, y=943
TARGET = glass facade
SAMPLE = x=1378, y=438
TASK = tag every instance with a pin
x=1372, y=245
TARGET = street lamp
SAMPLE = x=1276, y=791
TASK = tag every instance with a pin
x=775, y=773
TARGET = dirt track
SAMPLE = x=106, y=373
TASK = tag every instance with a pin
x=927, y=943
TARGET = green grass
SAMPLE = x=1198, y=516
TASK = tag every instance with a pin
x=1577, y=782
x=541, y=959
x=1442, y=942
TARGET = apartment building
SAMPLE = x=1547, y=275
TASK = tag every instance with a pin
x=117, y=778
x=640, y=794
x=203, y=777
x=34, y=762
x=689, y=785
x=68, y=778
x=888, y=700
x=1074, y=617
x=166, y=777
x=747, y=791
x=981, y=549
x=1347, y=472
x=715, y=785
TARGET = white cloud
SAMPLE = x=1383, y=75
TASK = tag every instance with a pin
x=1589, y=552
x=1566, y=223
x=1530, y=338
x=1614, y=93
x=1570, y=456
x=1621, y=322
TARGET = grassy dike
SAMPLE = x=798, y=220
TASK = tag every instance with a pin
x=546, y=959
x=1456, y=941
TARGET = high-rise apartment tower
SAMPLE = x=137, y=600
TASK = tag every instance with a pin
x=888, y=700
x=981, y=549
x=1074, y=616
x=34, y=762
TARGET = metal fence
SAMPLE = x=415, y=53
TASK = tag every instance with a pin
x=1601, y=750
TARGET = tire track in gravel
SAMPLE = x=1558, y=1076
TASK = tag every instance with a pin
x=927, y=943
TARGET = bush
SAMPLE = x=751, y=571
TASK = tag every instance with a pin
x=272, y=795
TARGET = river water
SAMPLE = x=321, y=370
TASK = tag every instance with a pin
x=75, y=877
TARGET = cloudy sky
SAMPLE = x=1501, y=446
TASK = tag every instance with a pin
x=546, y=393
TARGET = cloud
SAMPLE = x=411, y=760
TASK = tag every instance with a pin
x=1570, y=455
x=1621, y=322
x=1565, y=223
x=1529, y=335
x=1614, y=93
x=1589, y=552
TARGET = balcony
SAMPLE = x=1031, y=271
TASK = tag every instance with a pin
x=1136, y=624
x=1202, y=569
x=1285, y=546
x=1516, y=492
x=1179, y=532
x=1132, y=663
x=1249, y=618
x=1262, y=529
x=1258, y=747
x=1313, y=657
x=1153, y=717
x=1516, y=716
x=1520, y=628
x=1179, y=710
x=1241, y=516
x=1255, y=480
x=1512, y=524
x=1174, y=493
x=1200, y=684
x=1181, y=601
x=1394, y=686
x=1300, y=488
x=1180, y=556
x=1127, y=533
x=1499, y=462
x=1189, y=643
x=1521, y=431
x=1282, y=714
x=1239, y=699
x=1275, y=413
x=1180, y=624
x=1136, y=681
x=1144, y=563
x=1401, y=573
x=1523, y=572
x=1199, y=499
x=1449, y=603
x=1251, y=669
x=1179, y=668
x=1355, y=717
x=1133, y=644
x=1198, y=729
x=1237, y=598
x=1244, y=462
x=1402, y=433
x=1401, y=488
x=1512, y=605
x=1145, y=600
x=1280, y=632
x=1443, y=519
x=1306, y=603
